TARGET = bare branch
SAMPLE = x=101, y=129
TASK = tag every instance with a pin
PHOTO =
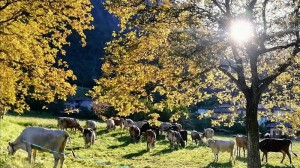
x=251, y=7
x=266, y=50
x=227, y=6
x=219, y=6
x=264, y=17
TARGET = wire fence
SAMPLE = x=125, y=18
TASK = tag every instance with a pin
x=97, y=161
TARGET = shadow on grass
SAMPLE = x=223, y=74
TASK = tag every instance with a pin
x=119, y=146
x=192, y=146
x=266, y=165
x=124, y=139
x=216, y=164
x=242, y=159
x=165, y=151
x=74, y=148
x=132, y=155
x=101, y=132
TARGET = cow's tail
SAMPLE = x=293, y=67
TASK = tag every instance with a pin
x=73, y=153
x=292, y=149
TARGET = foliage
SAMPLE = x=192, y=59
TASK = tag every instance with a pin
x=32, y=34
x=183, y=49
x=115, y=147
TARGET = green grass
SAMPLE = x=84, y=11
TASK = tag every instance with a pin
x=115, y=149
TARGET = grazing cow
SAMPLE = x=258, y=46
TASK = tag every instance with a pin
x=119, y=122
x=147, y=126
x=184, y=134
x=196, y=136
x=128, y=123
x=140, y=123
x=179, y=126
x=135, y=133
x=151, y=138
x=164, y=127
x=174, y=128
x=89, y=137
x=276, y=145
x=91, y=124
x=68, y=122
x=267, y=135
x=110, y=124
x=175, y=137
x=221, y=146
x=208, y=133
x=241, y=142
x=41, y=139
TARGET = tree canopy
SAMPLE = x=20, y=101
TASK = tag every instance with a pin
x=186, y=51
x=32, y=32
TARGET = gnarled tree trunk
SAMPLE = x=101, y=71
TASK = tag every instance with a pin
x=253, y=133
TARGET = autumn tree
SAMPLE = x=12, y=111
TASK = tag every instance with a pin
x=247, y=52
x=32, y=33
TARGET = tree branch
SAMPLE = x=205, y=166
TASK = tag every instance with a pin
x=219, y=6
x=266, y=50
x=6, y=4
x=15, y=16
x=251, y=7
x=282, y=68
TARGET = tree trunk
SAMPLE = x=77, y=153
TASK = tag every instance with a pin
x=253, y=133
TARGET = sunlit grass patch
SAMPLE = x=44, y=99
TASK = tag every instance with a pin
x=115, y=149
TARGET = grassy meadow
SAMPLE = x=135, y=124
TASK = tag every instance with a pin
x=114, y=149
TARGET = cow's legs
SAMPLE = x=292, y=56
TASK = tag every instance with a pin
x=62, y=159
x=29, y=150
x=244, y=152
x=262, y=159
x=266, y=157
x=56, y=159
x=289, y=155
x=283, y=157
x=34, y=155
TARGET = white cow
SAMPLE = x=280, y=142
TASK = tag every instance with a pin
x=110, y=125
x=128, y=123
x=221, y=146
x=208, y=133
x=41, y=139
x=91, y=124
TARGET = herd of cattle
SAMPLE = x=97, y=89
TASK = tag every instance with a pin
x=54, y=141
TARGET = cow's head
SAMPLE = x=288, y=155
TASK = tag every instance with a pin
x=80, y=129
x=11, y=150
x=210, y=142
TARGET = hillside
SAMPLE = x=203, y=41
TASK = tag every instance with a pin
x=85, y=61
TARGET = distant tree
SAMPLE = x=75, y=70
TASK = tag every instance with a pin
x=32, y=32
x=246, y=51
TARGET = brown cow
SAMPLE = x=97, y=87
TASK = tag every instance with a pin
x=151, y=138
x=68, y=122
x=241, y=142
x=135, y=133
x=196, y=136
x=119, y=122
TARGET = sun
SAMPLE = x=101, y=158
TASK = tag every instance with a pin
x=241, y=31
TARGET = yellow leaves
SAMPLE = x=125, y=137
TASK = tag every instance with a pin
x=29, y=45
